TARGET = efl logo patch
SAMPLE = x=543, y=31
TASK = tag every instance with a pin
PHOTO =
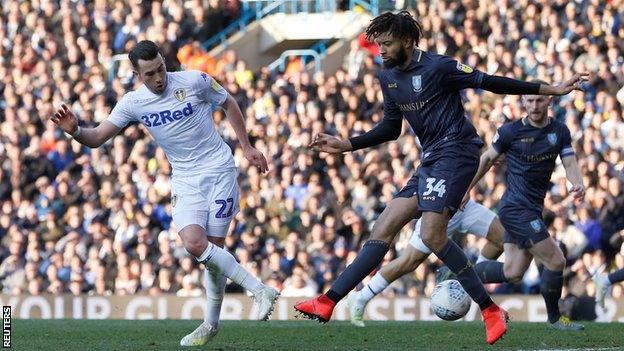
x=464, y=68
x=215, y=86
x=536, y=224
x=552, y=138
x=179, y=94
x=417, y=83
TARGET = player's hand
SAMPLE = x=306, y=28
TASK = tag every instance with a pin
x=65, y=119
x=330, y=144
x=578, y=193
x=256, y=158
x=464, y=201
x=573, y=83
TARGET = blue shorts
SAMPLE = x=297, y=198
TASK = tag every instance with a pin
x=524, y=228
x=442, y=179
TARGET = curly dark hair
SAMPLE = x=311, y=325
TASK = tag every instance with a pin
x=401, y=25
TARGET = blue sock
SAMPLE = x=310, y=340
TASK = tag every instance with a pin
x=550, y=287
x=370, y=257
x=455, y=259
x=490, y=272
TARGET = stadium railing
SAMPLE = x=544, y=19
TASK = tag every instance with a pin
x=281, y=61
x=113, y=65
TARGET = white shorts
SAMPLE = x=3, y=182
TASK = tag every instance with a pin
x=474, y=219
x=208, y=200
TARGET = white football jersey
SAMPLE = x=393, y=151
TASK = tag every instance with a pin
x=180, y=121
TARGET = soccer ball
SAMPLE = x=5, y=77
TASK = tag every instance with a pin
x=449, y=300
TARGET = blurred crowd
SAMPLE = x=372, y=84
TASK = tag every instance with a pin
x=98, y=221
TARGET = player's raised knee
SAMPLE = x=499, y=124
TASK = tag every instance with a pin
x=196, y=246
x=434, y=241
x=513, y=274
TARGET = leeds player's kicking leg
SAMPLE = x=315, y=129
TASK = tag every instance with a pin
x=217, y=259
x=603, y=283
x=416, y=253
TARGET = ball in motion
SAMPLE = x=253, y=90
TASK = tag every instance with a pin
x=449, y=300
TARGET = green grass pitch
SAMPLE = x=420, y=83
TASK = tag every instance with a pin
x=123, y=335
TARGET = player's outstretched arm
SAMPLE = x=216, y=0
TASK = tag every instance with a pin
x=487, y=160
x=91, y=137
x=504, y=85
x=386, y=130
x=235, y=116
x=573, y=173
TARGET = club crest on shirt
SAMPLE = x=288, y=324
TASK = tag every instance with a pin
x=536, y=224
x=417, y=83
x=552, y=138
x=464, y=68
x=179, y=94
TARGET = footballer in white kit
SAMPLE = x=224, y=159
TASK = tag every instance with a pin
x=176, y=108
x=204, y=188
x=474, y=218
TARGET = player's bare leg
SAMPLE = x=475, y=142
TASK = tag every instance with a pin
x=217, y=259
x=517, y=261
x=433, y=232
x=407, y=262
x=396, y=215
x=494, y=246
x=548, y=252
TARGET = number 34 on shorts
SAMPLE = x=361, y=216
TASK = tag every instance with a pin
x=435, y=188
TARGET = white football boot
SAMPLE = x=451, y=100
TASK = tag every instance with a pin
x=356, y=309
x=265, y=300
x=200, y=336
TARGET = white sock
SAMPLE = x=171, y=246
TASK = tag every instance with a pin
x=376, y=285
x=215, y=289
x=482, y=258
x=216, y=258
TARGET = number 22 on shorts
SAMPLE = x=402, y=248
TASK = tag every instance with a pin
x=228, y=205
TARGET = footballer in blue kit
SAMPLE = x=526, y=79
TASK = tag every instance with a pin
x=531, y=155
x=531, y=145
x=424, y=89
